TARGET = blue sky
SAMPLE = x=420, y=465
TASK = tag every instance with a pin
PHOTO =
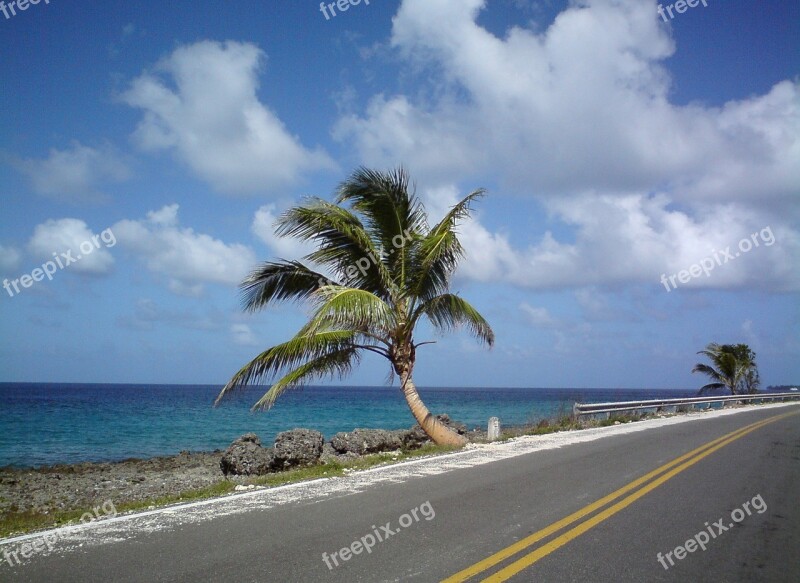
x=616, y=148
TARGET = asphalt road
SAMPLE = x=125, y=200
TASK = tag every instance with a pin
x=467, y=515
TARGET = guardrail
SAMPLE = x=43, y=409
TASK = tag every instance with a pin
x=579, y=409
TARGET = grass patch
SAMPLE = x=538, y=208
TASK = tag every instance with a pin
x=616, y=419
x=560, y=423
x=21, y=522
x=566, y=422
x=216, y=489
x=16, y=523
x=298, y=475
x=341, y=468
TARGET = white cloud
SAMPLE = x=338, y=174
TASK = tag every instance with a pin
x=749, y=333
x=635, y=239
x=180, y=288
x=569, y=336
x=629, y=239
x=123, y=39
x=579, y=117
x=437, y=143
x=88, y=252
x=214, y=121
x=581, y=106
x=165, y=217
x=147, y=314
x=539, y=317
x=243, y=335
x=596, y=306
x=263, y=227
x=75, y=174
x=9, y=258
x=187, y=258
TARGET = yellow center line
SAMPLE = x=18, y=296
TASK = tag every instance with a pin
x=528, y=541
x=530, y=559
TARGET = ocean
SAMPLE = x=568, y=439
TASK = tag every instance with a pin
x=52, y=423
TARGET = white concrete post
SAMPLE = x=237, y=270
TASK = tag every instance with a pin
x=493, y=432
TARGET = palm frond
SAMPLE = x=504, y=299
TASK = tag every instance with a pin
x=302, y=347
x=707, y=370
x=439, y=252
x=338, y=363
x=383, y=198
x=340, y=307
x=276, y=281
x=711, y=386
x=393, y=216
x=449, y=311
x=343, y=243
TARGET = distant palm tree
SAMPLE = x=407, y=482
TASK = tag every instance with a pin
x=751, y=381
x=733, y=368
x=390, y=270
x=749, y=378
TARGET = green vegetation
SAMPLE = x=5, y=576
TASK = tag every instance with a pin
x=14, y=523
x=338, y=468
x=620, y=418
x=733, y=367
x=390, y=270
x=560, y=423
x=566, y=422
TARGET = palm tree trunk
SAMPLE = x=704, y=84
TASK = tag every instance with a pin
x=440, y=433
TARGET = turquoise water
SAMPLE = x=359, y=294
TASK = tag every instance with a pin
x=43, y=423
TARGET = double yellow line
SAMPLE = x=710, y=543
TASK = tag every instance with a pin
x=661, y=475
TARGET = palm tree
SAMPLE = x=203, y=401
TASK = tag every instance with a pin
x=749, y=380
x=734, y=368
x=375, y=298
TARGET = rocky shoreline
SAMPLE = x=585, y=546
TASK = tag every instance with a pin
x=66, y=487
x=61, y=488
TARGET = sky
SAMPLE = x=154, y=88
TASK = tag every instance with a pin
x=642, y=170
